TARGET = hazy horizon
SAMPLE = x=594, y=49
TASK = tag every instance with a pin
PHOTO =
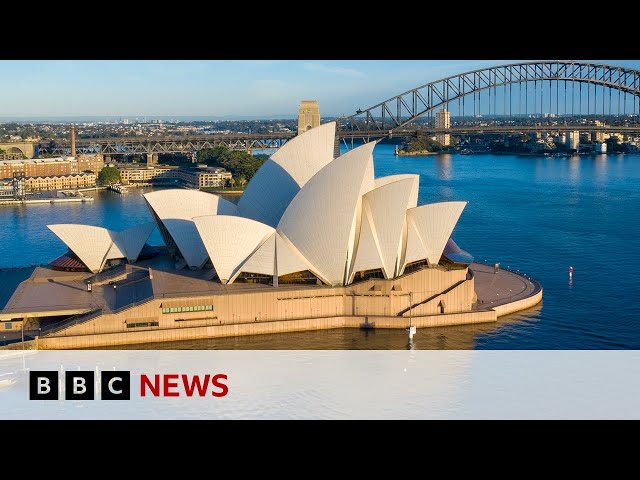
x=212, y=89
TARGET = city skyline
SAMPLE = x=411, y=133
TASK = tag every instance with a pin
x=46, y=90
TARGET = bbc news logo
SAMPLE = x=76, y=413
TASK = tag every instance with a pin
x=116, y=385
x=78, y=385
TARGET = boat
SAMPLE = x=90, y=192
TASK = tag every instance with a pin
x=116, y=187
x=466, y=151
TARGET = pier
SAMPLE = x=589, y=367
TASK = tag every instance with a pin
x=118, y=189
x=47, y=200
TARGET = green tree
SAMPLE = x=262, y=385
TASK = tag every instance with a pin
x=423, y=143
x=614, y=145
x=109, y=176
x=238, y=163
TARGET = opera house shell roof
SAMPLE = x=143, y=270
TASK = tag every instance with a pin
x=303, y=212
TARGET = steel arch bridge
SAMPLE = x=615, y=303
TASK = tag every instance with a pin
x=511, y=93
x=400, y=111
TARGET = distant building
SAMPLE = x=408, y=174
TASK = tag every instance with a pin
x=598, y=136
x=308, y=115
x=601, y=147
x=61, y=182
x=144, y=174
x=189, y=177
x=36, y=167
x=42, y=167
x=443, y=120
x=6, y=188
x=573, y=140
x=199, y=177
x=88, y=163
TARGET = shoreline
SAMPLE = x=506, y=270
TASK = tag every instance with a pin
x=419, y=153
x=131, y=186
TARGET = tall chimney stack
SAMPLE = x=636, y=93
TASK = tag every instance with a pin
x=73, y=140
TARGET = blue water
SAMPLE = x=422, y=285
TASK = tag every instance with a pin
x=26, y=240
x=538, y=215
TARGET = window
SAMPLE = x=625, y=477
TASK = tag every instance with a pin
x=142, y=324
x=196, y=308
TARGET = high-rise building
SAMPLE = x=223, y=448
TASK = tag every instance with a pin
x=308, y=115
x=598, y=136
x=573, y=140
x=443, y=120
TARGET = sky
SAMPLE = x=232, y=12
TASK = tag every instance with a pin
x=38, y=89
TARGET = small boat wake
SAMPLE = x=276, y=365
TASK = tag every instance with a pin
x=8, y=379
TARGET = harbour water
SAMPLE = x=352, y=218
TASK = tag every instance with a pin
x=538, y=215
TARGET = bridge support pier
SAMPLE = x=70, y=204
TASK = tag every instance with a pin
x=152, y=159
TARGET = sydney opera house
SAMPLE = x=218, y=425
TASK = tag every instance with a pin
x=314, y=242
x=304, y=218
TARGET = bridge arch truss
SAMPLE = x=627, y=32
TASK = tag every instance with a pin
x=590, y=82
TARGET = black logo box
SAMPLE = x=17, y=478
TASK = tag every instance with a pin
x=79, y=385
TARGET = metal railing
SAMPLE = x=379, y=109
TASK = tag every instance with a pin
x=70, y=322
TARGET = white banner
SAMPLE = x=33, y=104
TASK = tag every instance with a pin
x=294, y=384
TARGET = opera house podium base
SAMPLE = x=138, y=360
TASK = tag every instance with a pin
x=148, y=303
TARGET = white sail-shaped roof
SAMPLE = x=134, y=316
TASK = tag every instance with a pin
x=263, y=260
x=133, y=239
x=276, y=255
x=94, y=245
x=230, y=240
x=367, y=256
x=321, y=220
x=91, y=244
x=176, y=208
x=369, y=180
x=283, y=175
x=383, y=212
x=415, y=249
x=115, y=251
x=432, y=226
x=413, y=198
x=290, y=260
